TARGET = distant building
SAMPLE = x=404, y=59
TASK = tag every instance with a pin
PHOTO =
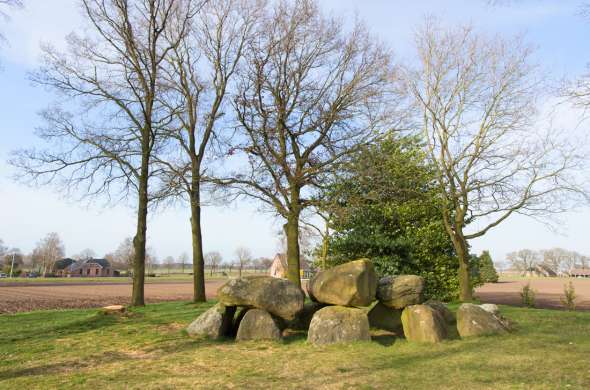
x=85, y=268
x=580, y=273
x=278, y=268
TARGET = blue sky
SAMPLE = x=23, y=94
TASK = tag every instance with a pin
x=555, y=28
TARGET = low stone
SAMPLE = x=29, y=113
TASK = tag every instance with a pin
x=422, y=323
x=490, y=308
x=338, y=324
x=303, y=318
x=443, y=310
x=350, y=284
x=215, y=323
x=472, y=320
x=258, y=324
x=386, y=318
x=114, y=309
x=277, y=296
x=400, y=291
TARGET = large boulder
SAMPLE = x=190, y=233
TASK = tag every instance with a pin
x=422, y=323
x=443, y=310
x=472, y=320
x=338, y=324
x=400, y=291
x=277, y=296
x=350, y=284
x=383, y=317
x=215, y=323
x=258, y=324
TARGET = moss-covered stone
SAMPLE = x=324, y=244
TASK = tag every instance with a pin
x=350, y=284
x=277, y=296
x=400, y=291
x=338, y=324
x=215, y=323
x=422, y=323
x=258, y=324
x=443, y=310
x=472, y=320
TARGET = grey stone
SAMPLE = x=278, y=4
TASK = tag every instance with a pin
x=258, y=324
x=350, y=284
x=443, y=310
x=400, y=291
x=215, y=323
x=338, y=324
x=472, y=320
x=423, y=324
x=277, y=296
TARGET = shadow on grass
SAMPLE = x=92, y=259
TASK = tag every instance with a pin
x=87, y=324
x=64, y=367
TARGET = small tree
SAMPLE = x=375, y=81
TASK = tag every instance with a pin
x=244, y=257
x=527, y=294
x=569, y=296
x=487, y=271
x=168, y=262
x=48, y=251
x=183, y=259
x=524, y=260
x=212, y=260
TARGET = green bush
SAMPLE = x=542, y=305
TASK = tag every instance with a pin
x=384, y=207
x=569, y=296
x=528, y=295
x=483, y=268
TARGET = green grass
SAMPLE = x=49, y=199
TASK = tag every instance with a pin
x=148, y=349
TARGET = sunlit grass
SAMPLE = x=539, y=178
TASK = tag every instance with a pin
x=148, y=349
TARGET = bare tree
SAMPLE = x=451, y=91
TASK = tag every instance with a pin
x=524, y=260
x=48, y=251
x=125, y=253
x=212, y=260
x=198, y=71
x=85, y=254
x=104, y=141
x=311, y=91
x=183, y=260
x=169, y=262
x=476, y=105
x=244, y=257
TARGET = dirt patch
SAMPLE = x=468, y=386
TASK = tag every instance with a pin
x=27, y=298
x=549, y=292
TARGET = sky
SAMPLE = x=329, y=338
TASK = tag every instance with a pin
x=555, y=28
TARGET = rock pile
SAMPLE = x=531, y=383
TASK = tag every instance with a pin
x=267, y=305
x=343, y=309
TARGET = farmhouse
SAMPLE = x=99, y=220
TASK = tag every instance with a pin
x=278, y=268
x=580, y=273
x=85, y=268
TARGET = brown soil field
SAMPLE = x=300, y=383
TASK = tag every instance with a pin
x=64, y=296
x=548, y=292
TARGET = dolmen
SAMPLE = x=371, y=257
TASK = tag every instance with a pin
x=346, y=302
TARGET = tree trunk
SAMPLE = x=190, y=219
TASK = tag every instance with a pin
x=465, y=290
x=197, y=238
x=292, y=234
x=139, y=241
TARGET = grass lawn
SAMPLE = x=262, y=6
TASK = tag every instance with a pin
x=149, y=349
